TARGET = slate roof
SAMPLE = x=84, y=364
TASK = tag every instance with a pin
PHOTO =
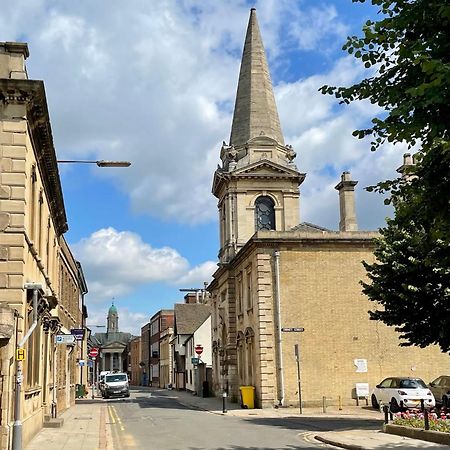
x=309, y=227
x=103, y=339
x=189, y=317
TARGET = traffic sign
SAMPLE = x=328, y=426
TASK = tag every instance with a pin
x=78, y=333
x=65, y=339
x=199, y=349
x=93, y=352
x=20, y=354
x=295, y=330
x=195, y=360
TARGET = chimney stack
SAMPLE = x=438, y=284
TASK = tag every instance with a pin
x=346, y=188
x=12, y=60
x=408, y=161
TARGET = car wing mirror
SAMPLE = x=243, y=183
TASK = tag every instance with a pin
x=378, y=386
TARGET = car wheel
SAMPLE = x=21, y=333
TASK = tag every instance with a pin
x=395, y=408
x=375, y=404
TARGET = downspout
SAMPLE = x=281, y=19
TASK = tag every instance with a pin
x=278, y=330
x=17, y=427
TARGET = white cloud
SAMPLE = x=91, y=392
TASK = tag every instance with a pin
x=129, y=322
x=198, y=275
x=153, y=83
x=117, y=263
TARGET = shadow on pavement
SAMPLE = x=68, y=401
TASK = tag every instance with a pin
x=318, y=423
x=234, y=447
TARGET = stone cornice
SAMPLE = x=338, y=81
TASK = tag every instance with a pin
x=277, y=239
x=32, y=93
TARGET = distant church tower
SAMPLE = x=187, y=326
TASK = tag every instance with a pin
x=257, y=185
x=112, y=320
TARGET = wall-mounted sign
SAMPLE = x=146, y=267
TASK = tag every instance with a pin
x=293, y=329
x=65, y=339
x=20, y=354
x=361, y=365
x=78, y=333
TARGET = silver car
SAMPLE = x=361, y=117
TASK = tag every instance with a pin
x=440, y=387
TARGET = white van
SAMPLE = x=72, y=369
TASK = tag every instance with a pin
x=116, y=384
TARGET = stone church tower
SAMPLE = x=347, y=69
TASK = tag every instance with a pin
x=112, y=320
x=257, y=184
x=282, y=282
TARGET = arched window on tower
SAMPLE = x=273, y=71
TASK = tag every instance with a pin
x=264, y=213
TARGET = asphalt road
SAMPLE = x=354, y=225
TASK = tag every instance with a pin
x=158, y=421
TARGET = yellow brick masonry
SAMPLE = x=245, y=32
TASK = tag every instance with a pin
x=320, y=291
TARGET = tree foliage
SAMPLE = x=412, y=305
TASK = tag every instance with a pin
x=407, y=52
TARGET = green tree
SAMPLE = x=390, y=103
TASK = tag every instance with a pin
x=408, y=54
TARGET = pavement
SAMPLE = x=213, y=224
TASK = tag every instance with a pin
x=85, y=425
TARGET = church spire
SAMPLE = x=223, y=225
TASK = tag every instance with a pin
x=255, y=111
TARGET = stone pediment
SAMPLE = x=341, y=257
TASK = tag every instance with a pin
x=113, y=344
x=267, y=168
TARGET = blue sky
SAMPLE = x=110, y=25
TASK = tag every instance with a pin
x=154, y=83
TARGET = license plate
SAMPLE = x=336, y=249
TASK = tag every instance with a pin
x=116, y=392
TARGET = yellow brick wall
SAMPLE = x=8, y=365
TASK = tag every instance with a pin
x=320, y=291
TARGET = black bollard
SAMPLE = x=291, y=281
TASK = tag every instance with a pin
x=386, y=413
x=224, y=402
x=426, y=419
x=422, y=405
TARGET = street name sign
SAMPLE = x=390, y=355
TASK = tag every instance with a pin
x=195, y=360
x=65, y=339
x=293, y=330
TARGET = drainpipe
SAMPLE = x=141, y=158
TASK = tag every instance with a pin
x=17, y=427
x=278, y=329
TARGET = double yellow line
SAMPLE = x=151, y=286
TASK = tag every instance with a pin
x=125, y=439
x=115, y=417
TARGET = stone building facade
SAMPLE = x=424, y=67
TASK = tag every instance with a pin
x=278, y=275
x=112, y=345
x=135, y=360
x=33, y=252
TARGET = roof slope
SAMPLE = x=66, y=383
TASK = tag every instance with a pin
x=310, y=227
x=189, y=317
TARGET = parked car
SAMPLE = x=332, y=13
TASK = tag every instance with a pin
x=440, y=387
x=402, y=392
x=101, y=379
x=116, y=384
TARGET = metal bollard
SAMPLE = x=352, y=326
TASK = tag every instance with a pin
x=386, y=413
x=340, y=403
x=224, y=402
x=324, y=404
x=426, y=419
x=422, y=405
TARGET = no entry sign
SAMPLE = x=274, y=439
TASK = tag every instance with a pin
x=199, y=349
x=93, y=352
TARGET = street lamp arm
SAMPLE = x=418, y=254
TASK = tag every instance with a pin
x=100, y=163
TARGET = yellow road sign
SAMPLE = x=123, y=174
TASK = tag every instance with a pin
x=20, y=354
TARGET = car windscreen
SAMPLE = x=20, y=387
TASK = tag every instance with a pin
x=412, y=384
x=113, y=378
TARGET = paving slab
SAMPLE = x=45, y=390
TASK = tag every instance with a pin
x=373, y=440
x=84, y=428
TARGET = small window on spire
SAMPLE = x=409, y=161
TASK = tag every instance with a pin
x=264, y=213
